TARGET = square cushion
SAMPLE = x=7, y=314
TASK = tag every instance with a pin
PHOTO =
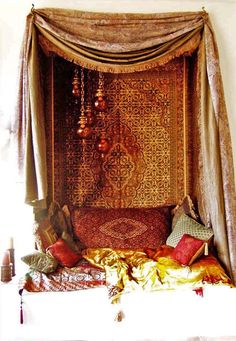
x=184, y=225
x=40, y=261
x=45, y=234
x=121, y=227
x=64, y=254
x=188, y=249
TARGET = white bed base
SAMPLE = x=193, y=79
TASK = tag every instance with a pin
x=160, y=316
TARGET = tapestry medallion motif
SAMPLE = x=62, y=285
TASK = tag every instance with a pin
x=117, y=228
x=118, y=167
x=147, y=120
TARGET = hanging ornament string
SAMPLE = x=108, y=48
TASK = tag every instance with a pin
x=84, y=130
x=76, y=83
x=100, y=104
x=87, y=118
x=90, y=119
x=100, y=99
x=82, y=115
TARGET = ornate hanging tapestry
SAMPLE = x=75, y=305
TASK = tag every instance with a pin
x=147, y=124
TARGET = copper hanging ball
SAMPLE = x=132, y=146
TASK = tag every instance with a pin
x=100, y=103
x=84, y=132
x=103, y=145
x=76, y=83
x=90, y=117
x=76, y=90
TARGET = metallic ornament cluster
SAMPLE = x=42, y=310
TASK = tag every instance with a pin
x=87, y=118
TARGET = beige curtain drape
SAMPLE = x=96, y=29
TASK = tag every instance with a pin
x=127, y=43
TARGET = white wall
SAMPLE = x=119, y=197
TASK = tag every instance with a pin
x=12, y=21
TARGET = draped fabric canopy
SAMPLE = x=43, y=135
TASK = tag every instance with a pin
x=117, y=43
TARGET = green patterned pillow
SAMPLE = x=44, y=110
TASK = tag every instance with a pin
x=184, y=225
x=40, y=261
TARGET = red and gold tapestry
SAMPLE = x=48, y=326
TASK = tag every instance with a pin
x=147, y=123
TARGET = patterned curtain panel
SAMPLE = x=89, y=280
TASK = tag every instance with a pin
x=109, y=43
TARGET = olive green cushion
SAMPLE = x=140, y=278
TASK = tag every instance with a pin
x=40, y=261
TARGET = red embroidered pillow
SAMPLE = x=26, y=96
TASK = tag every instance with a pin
x=62, y=252
x=188, y=249
x=121, y=227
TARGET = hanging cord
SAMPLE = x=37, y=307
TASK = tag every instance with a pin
x=82, y=109
x=82, y=120
x=32, y=8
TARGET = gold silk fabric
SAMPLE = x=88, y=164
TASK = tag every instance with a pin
x=120, y=43
x=128, y=270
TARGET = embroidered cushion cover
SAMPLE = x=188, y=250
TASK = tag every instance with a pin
x=45, y=234
x=184, y=225
x=40, y=261
x=188, y=249
x=63, y=253
x=121, y=227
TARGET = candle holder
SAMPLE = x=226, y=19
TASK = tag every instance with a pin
x=6, y=273
x=12, y=260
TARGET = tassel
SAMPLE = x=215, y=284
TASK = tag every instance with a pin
x=119, y=316
x=199, y=291
x=21, y=307
x=206, y=249
x=21, y=315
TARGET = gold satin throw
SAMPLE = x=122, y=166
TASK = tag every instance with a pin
x=149, y=270
x=118, y=43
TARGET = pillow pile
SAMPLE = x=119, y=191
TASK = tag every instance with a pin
x=187, y=225
x=54, y=241
x=188, y=236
